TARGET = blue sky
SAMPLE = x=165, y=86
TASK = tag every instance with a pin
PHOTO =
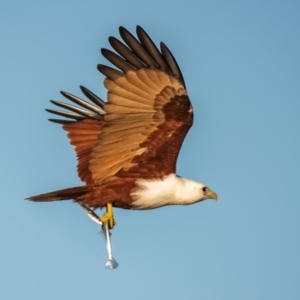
x=240, y=61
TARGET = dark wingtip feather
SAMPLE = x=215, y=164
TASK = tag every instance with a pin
x=171, y=62
x=84, y=110
x=109, y=72
x=77, y=110
x=117, y=60
x=137, y=48
x=138, y=52
x=66, y=114
x=126, y=53
x=61, y=122
x=151, y=48
x=94, y=98
x=83, y=103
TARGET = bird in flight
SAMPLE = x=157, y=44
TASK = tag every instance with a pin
x=127, y=147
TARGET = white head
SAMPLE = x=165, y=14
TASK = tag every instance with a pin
x=152, y=193
x=190, y=191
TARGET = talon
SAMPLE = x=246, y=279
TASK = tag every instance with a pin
x=108, y=216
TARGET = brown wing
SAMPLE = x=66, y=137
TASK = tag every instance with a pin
x=148, y=112
x=83, y=126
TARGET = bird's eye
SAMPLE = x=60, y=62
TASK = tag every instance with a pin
x=204, y=189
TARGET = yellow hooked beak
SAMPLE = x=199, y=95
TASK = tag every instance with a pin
x=213, y=195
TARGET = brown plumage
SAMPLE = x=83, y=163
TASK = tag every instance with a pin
x=136, y=134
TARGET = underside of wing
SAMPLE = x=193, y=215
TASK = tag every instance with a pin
x=83, y=124
x=148, y=112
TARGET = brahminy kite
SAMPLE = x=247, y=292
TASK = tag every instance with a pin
x=127, y=147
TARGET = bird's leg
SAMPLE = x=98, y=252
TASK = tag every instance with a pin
x=108, y=216
x=111, y=263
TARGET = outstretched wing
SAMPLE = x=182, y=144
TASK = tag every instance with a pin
x=148, y=112
x=83, y=125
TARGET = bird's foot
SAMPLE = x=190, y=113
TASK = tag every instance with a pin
x=108, y=217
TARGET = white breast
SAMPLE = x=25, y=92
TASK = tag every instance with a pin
x=170, y=190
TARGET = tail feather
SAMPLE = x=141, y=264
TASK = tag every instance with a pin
x=65, y=194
